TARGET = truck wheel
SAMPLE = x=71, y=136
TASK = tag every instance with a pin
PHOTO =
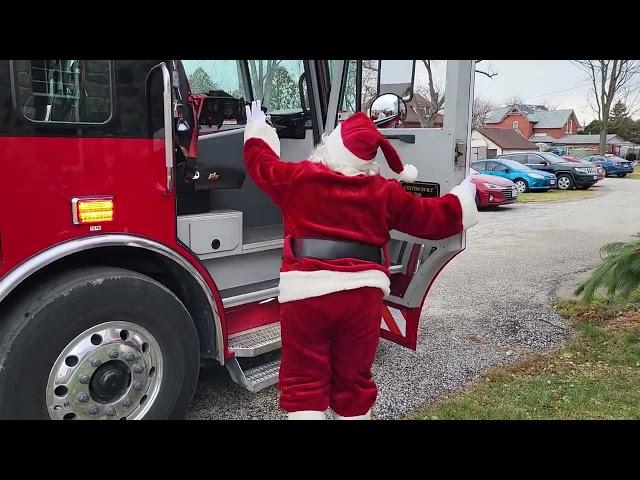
x=565, y=181
x=521, y=185
x=97, y=343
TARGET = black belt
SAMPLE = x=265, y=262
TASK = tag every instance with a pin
x=335, y=249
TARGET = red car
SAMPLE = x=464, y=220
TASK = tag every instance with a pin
x=601, y=171
x=492, y=191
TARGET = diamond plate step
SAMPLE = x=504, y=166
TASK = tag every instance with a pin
x=256, y=341
x=256, y=378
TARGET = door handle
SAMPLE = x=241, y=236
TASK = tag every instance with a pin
x=402, y=138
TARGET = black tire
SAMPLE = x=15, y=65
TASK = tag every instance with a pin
x=570, y=184
x=477, y=201
x=36, y=328
x=524, y=182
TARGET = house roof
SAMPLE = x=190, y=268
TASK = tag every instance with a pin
x=507, y=138
x=542, y=138
x=537, y=114
x=612, y=139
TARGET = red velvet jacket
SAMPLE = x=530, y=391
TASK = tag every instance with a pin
x=318, y=202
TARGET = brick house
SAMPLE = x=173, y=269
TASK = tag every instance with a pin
x=533, y=120
x=490, y=142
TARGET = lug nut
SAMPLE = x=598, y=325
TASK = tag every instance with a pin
x=96, y=362
x=83, y=397
x=131, y=357
x=84, y=378
x=111, y=412
x=126, y=403
x=137, y=386
x=138, y=368
x=113, y=354
x=94, y=410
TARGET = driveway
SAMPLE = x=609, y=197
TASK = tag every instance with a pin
x=490, y=305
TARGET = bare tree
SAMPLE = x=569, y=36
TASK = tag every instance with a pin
x=489, y=71
x=610, y=79
x=549, y=105
x=481, y=110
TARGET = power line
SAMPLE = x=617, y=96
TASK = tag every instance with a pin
x=552, y=93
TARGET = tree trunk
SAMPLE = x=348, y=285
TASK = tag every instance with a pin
x=603, y=136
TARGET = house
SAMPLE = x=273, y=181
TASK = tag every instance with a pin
x=533, y=120
x=490, y=142
x=421, y=102
x=613, y=145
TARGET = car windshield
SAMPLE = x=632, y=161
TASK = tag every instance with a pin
x=616, y=159
x=515, y=165
x=552, y=158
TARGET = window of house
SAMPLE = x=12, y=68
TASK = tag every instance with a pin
x=569, y=126
x=515, y=125
x=64, y=91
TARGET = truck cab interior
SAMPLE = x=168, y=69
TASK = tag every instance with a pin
x=223, y=217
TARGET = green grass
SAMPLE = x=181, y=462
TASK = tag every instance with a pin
x=635, y=175
x=555, y=195
x=596, y=375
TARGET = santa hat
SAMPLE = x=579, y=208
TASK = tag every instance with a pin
x=355, y=143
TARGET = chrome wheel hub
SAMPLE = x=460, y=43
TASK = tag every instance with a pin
x=563, y=183
x=111, y=371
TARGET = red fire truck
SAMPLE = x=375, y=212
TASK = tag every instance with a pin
x=133, y=245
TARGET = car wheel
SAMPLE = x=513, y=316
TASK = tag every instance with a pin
x=565, y=181
x=521, y=185
x=97, y=343
x=477, y=201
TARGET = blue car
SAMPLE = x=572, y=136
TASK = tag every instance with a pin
x=612, y=165
x=526, y=178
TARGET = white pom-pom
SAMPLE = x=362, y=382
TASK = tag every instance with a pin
x=409, y=174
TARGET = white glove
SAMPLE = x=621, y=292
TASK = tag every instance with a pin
x=469, y=186
x=257, y=127
x=255, y=113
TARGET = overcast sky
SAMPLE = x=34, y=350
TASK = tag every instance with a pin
x=559, y=82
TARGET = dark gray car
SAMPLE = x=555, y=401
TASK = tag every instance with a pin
x=569, y=175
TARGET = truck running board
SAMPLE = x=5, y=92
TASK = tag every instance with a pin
x=256, y=378
x=256, y=341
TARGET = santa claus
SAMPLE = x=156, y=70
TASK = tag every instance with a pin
x=338, y=211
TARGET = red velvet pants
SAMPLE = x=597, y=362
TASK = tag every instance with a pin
x=328, y=347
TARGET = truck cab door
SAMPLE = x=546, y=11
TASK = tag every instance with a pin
x=441, y=155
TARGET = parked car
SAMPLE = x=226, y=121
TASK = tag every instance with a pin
x=612, y=165
x=601, y=171
x=492, y=191
x=525, y=178
x=569, y=175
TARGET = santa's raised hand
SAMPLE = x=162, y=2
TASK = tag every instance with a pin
x=257, y=127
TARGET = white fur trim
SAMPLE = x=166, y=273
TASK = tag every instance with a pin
x=468, y=205
x=264, y=132
x=366, y=416
x=341, y=155
x=409, y=174
x=299, y=285
x=307, y=415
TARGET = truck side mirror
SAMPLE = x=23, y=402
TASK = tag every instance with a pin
x=396, y=77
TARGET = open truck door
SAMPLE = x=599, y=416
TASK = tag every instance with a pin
x=440, y=153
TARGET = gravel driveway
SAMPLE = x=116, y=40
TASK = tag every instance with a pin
x=488, y=307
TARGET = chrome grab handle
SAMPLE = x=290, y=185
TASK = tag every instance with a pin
x=168, y=126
